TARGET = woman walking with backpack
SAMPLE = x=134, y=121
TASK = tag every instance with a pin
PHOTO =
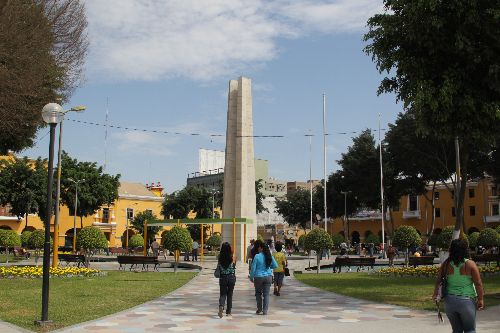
x=227, y=278
x=261, y=275
x=463, y=292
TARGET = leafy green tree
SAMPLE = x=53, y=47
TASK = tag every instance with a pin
x=301, y=241
x=406, y=236
x=445, y=238
x=25, y=236
x=90, y=239
x=23, y=187
x=136, y=241
x=37, y=242
x=337, y=239
x=318, y=240
x=214, y=241
x=138, y=224
x=42, y=53
x=372, y=238
x=259, y=197
x=488, y=237
x=433, y=240
x=259, y=237
x=473, y=238
x=97, y=190
x=498, y=229
x=9, y=238
x=177, y=239
x=447, y=74
x=295, y=208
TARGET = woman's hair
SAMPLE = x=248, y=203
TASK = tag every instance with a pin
x=459, y=250
x=265, y=251
x=278, y=247
x=225, y=255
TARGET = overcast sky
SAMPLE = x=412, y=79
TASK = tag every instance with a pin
x=165, y=66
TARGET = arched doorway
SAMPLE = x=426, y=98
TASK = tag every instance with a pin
x=367, y=233
x=131, y=232
x=472, y=229
x=355, y=237
x=5, y=227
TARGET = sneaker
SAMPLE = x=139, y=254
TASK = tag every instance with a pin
x=229, y=314
x=221, y=310
x=277, y=294
x=258, y=312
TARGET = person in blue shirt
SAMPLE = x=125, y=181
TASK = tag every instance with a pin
x=261, y=275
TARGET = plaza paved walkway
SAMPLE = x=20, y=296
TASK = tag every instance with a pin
x=300, y=309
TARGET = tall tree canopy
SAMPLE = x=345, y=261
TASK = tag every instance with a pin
x=295, y=208
x=43, y=44
x=443, y=63
x=97, y=190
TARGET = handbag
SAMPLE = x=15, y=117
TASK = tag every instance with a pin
x=217, y=272
x=287, y=271
x=443, y=283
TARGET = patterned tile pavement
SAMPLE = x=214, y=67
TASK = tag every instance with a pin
x=300, y=308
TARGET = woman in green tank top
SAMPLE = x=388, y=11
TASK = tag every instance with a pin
x=464, y=288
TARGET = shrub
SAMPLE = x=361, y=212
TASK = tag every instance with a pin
x=488, y=237
x=259, y=237
x=372, y=238
x=136, y=241
x=337, y=240
x=36, y=241
x=177, y=239
x=498, y=229
x=90, y=239
x=433, y=240
x=473, y=239
x=318, y=240
x=301, y=241
x=25, y=236
x=445, y=237
x=214, y=241
x=9, y=238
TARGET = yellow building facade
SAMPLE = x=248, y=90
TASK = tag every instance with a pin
x=481, y=210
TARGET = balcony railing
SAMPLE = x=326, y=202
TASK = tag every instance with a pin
x=411, y=214
x=492, y=218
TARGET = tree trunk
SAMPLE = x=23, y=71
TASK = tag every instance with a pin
x=462, y=180
x=433, y=205
x=26, y=217
x=406, y=257
x=318, y=259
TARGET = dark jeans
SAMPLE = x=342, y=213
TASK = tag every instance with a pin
x=194, y=253
x=262, y=286
x=226, y=284
x=461, y=311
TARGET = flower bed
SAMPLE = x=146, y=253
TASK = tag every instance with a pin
x=428, y=271
x=37, y=272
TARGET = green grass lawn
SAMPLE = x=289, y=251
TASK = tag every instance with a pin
x=412, y=292
x=75, y=300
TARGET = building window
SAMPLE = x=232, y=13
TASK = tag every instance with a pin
x=472, y=193
x=437, y=212
x=130, y=213
x=150, y=211
x=453, y=211
x=472, y=210
x=105, y=215
x=436, y=195
x=494, y=210
x=412, y=203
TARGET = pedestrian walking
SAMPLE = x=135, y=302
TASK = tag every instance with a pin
x=194, y=250
x=391, y=253
x=463, y=293
x=227, y=278
x=261, y=275
x=279, y=272
x=155, y=247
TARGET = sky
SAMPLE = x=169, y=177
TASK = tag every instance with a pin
x=166, y=65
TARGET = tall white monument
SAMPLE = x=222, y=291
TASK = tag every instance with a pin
x=239, y=172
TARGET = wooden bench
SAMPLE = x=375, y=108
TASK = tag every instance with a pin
x=487, y=258
x=420, y=261
x=145, y=261
x=77, y=259
x=347, y=261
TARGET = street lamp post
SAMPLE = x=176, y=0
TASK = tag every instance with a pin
x=52, y=114
x=76, y=182
x=346, y=222
x=58, y=188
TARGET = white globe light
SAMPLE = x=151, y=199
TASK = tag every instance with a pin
x=52, y=113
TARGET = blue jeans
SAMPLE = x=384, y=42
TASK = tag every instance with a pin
x=461, y=311
x=262, y=286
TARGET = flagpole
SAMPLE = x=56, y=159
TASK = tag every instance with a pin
x=381, y=188
x=324, y=159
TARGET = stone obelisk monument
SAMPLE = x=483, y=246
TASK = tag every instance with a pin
x=239, y=170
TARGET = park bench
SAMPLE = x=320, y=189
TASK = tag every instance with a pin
x=145, y=261
x=118, y=250
x=487, y=258
x=420, y=261
x=347, y=261
x=77, y=259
